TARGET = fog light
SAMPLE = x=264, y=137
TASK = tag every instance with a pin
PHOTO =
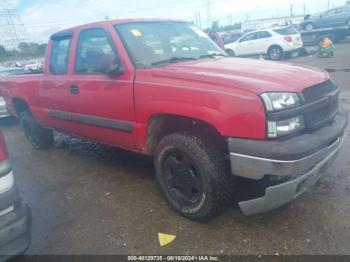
x=285, y=127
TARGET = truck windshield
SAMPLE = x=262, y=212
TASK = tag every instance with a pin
x=152, y=44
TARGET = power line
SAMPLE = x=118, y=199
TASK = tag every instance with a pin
x=12, y=28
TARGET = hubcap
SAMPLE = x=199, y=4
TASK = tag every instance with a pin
x=182, y=178
x=275, y=53
x=309, y=27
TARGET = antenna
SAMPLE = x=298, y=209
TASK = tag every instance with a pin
x=12, y=29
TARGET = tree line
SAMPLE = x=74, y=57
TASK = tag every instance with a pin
x=25, y=50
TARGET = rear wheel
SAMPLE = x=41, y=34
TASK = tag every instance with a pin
x=230, y=52
x=193, y=176
x=275, y=53
x=39, y=137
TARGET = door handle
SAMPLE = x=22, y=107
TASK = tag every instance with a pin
x=74, y=89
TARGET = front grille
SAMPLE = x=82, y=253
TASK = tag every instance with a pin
x=324, y=114
x=319, y=91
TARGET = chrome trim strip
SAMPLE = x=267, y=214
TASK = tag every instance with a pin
x=119, y=125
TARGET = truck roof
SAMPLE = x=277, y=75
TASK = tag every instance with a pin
x=115, y=22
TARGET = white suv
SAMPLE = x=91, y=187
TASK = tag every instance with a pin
x=274, y=42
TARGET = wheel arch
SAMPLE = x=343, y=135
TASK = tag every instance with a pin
x=161, y=125
x=19, y=105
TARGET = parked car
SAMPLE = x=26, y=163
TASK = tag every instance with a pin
x=3, y=73
x=274, y=42
x=230, y=37
x=15, y=219
x=339, y=16
x=206, y=119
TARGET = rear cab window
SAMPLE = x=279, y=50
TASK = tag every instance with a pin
x=286, y=31
x=60, y=54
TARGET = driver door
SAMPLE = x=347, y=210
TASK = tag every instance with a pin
x=245, y=45
x=102, y=105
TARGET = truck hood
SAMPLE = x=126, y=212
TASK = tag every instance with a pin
x=256, y=76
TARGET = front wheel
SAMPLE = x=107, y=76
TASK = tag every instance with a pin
x=39, y=137
x=193, y=176
x=230, y=52
x=275, y=53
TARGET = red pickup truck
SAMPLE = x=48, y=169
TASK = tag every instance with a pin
x=164, y=89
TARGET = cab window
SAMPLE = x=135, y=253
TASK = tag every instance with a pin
x=263, y=34
x=248, y=37
x=95, y=52
x=59, y=56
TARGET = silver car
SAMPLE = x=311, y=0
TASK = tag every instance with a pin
x=3, y=73
x=339, y=16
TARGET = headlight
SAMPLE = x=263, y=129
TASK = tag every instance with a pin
x=280, y=101
x=285, y=127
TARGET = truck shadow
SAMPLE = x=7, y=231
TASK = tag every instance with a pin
x=137, y=165
x=8, y=122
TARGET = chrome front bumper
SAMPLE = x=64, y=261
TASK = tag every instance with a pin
x=279, y=195
x=289, y=166
x=256, y=168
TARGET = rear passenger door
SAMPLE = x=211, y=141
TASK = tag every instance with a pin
x=263, y=41
x=102, y=105
x=54, y=91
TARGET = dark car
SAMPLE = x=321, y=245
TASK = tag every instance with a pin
x=339, y=16
x=15, y=219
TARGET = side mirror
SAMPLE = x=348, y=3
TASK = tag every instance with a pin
x=116, y=68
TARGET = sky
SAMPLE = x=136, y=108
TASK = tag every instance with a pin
x=43, y=17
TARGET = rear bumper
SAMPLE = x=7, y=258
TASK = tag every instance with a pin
x=15, y=217
x=296, y=161
x=15, y=231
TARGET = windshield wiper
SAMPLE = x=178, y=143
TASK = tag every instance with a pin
x=173, y=60
x=212, y=55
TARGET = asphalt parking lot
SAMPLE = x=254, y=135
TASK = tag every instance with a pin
x=90, y=199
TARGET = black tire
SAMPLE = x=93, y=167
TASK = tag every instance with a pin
x=39, y=137
x=275, y=52
x=207, y=187
x=230, y=52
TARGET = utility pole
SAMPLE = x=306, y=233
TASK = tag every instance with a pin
x=209, y=15
x=328, y=6
x=12, y=29
x=199, y=20
x=291, y=10
x=304, y=8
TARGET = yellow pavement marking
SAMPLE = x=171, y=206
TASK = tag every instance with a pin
x=165, y=239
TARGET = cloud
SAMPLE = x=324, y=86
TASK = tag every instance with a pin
x=43, y=17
